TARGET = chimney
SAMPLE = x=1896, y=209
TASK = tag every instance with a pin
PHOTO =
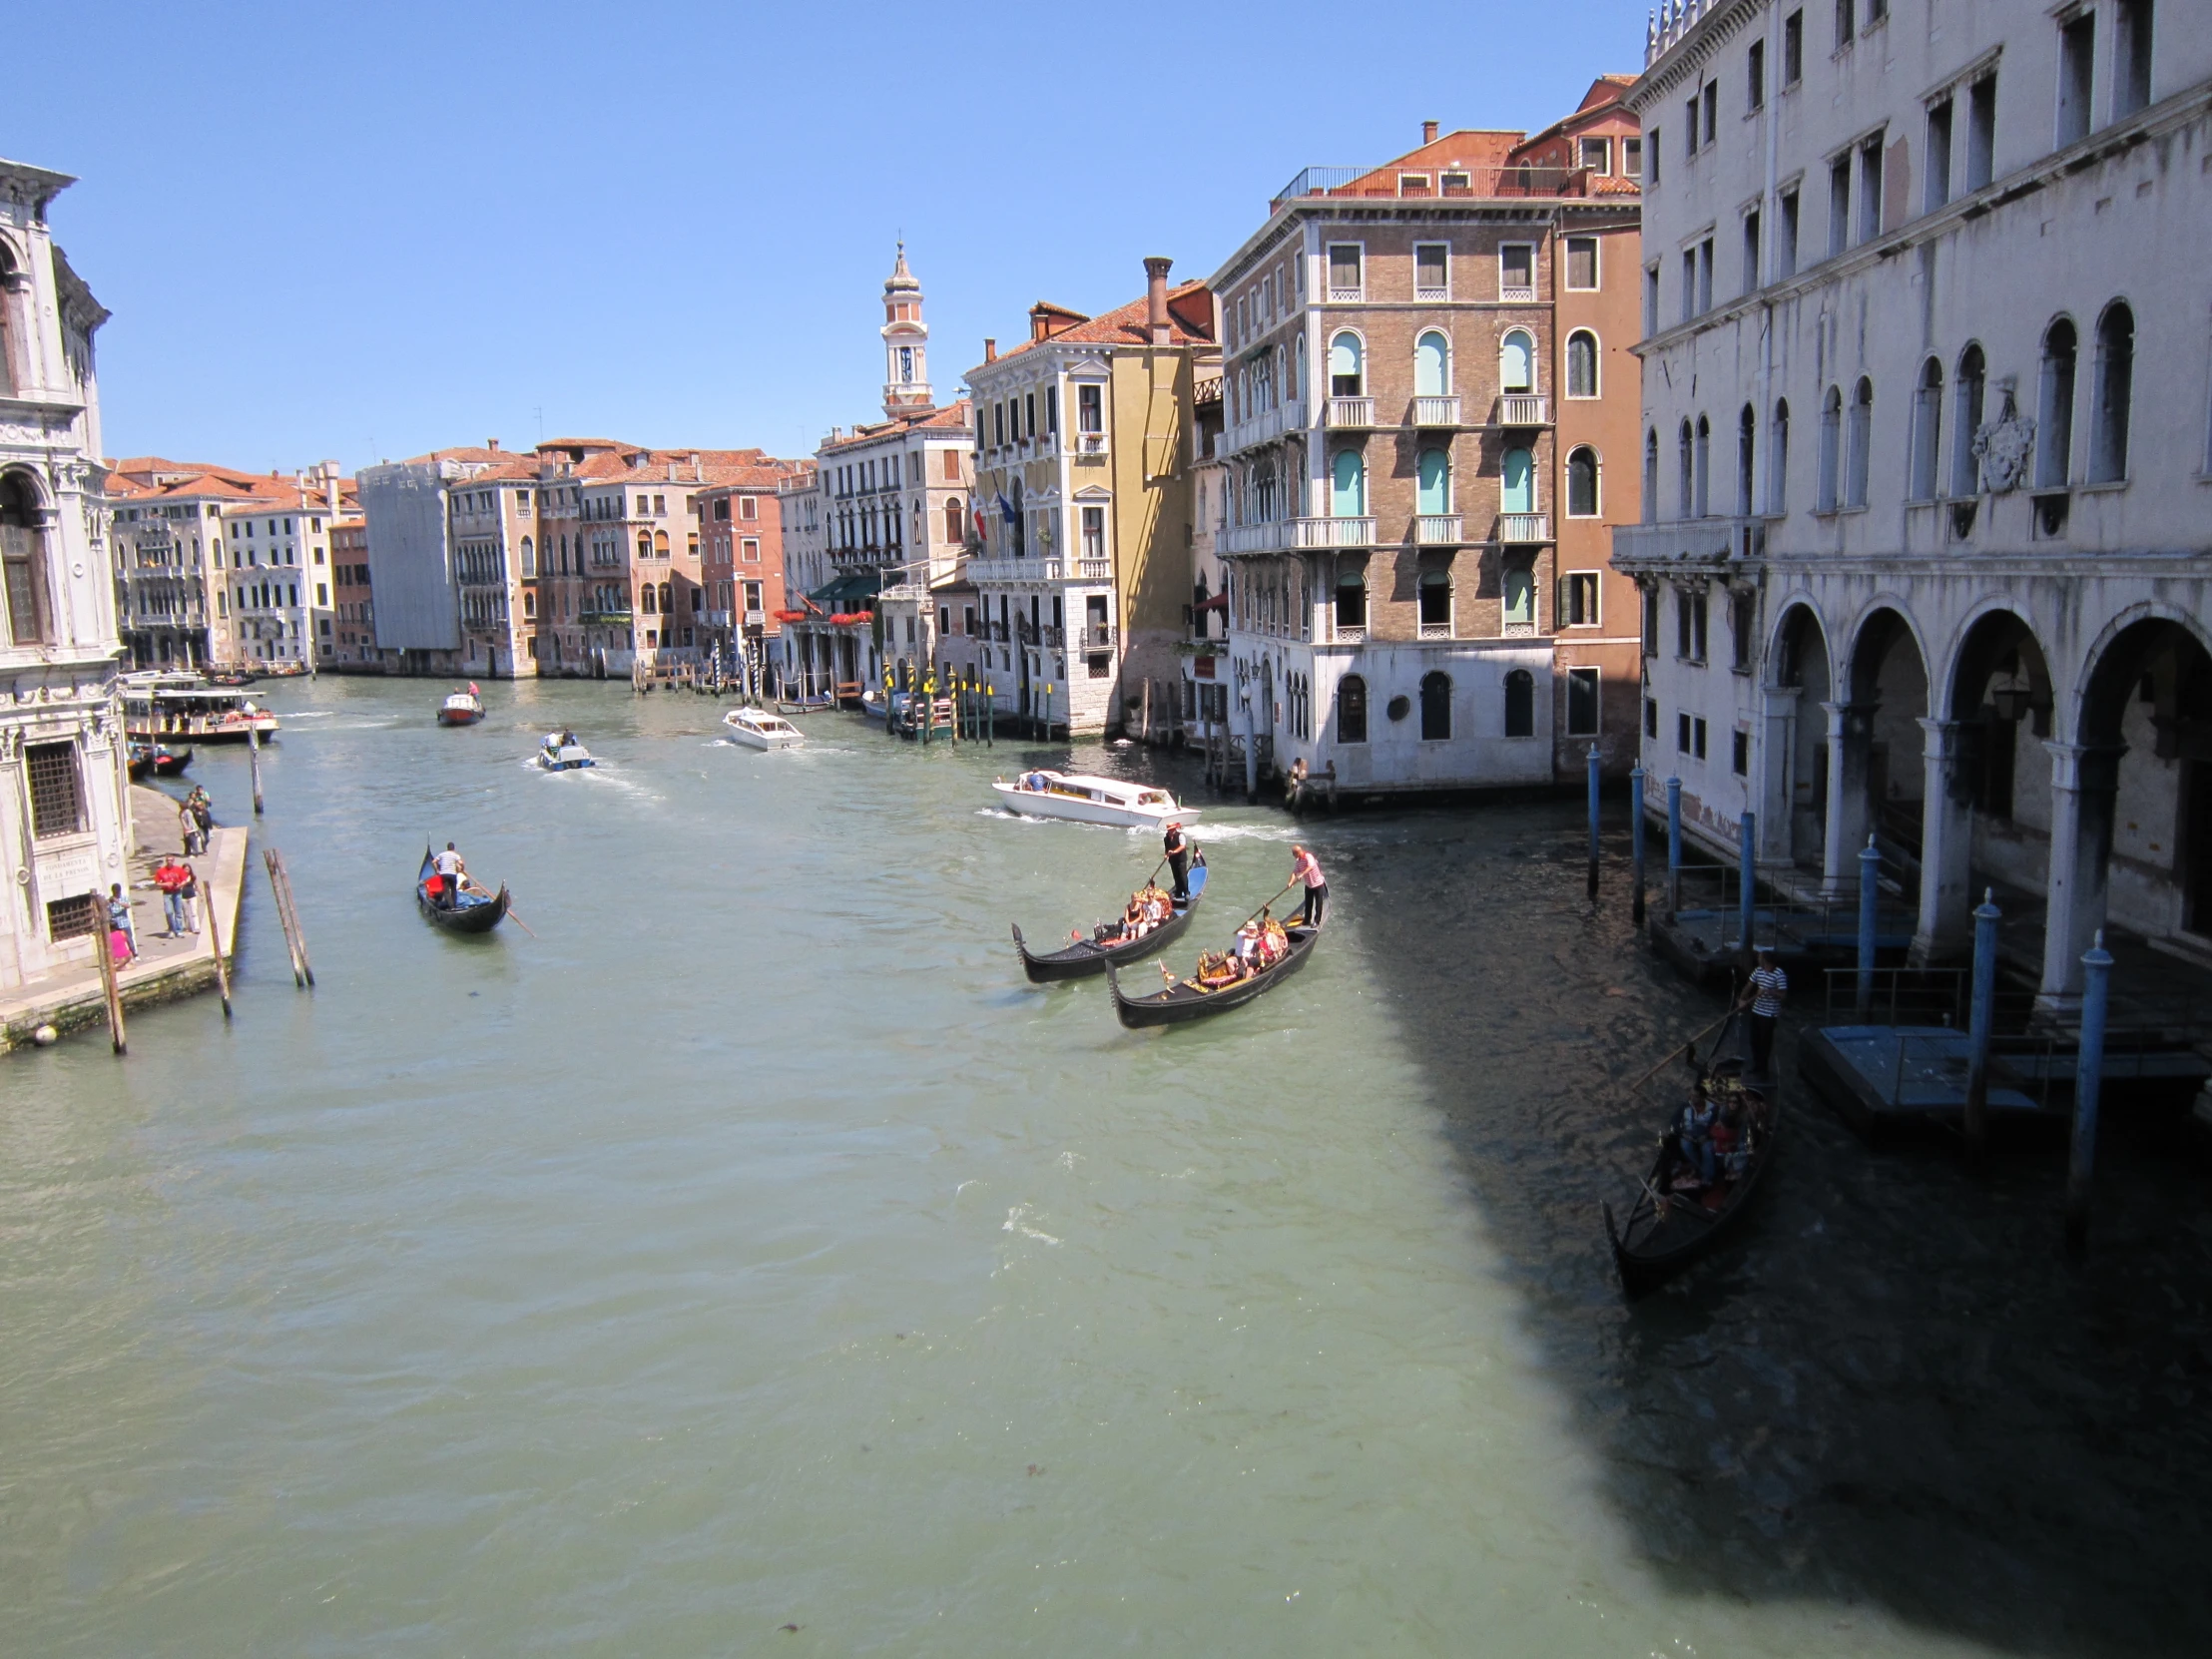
x=990, y=350
x=492, y=444
x=1040, y=323
x=1428, y=131
x=1156, y=298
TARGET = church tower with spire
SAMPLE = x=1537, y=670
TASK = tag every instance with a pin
x=905, y=343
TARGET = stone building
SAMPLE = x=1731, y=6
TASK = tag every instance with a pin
x=271, y=572
x=740, y=568
x=1084, y=506
x=64, y=809
x=352, y=597
x=1926, y=451
x=1427, y=383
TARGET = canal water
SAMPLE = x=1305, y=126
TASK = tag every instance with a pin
x=746, y=1259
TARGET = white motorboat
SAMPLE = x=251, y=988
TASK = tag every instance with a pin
x=762, y=729
x=1086, y=800
x=463, y=708
x=562, y=752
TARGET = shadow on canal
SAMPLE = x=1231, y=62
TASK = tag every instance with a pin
x=1895, y=1389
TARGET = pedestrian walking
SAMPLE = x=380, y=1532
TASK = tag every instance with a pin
x=119, y=918
x=1307, y=868
x=187, y=829
x=1764, y=993
x=189, y=896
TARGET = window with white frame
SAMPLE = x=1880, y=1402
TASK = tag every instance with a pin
x=1596, y=154
x=1516, y=271
x=1582, y=264
x=1431, y=270
x=1347, y=266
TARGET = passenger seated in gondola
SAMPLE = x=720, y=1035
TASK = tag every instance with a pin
x=1218, y=970
x=1693, y=1126
x=1274, y=944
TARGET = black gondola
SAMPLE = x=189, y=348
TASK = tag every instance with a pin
x=157, y=758
x=1668, y=1229
x=1181, y=1002
x=474, y=914
x=1084, y=958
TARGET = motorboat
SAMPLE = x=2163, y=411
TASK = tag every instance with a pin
x=560, y=752
x=876, y=704
x=760, y=729
x=160, y=707
x=463, y=708
x=1087, y=799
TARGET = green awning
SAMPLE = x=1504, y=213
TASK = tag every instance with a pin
x=839, y=595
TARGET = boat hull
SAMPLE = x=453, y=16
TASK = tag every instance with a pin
x=564, y=764
x=1078, y=810
x=1180, y=1004
x=480, y=917
x=1084, y=959
x=750, y=739
x=459, y=717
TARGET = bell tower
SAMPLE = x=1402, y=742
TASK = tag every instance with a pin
x=905, y=343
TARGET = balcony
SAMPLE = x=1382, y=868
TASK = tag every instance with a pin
x=1523, y=527
x=1523, y=409
x=1438, y=530
x=754, y=619
x=1436, y=630
x=1090, y=444
x=1351, y=413
x=1289, y=534
x=1516, y=294
x=719, y=619
x=1692, y=541
x=1096, y=635
x=1435, y=412
x=604, y=619
x=1260, y=428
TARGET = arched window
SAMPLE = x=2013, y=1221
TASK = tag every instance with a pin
x=2054, y=401
x=529, y=557
x=1832, y=449
x=1517, y=587
x=1778, y=460
x=1861, y=440
x=1298, y=370
x=1582, y=364
x=1927, y=432
x=1434, y=482
x=23, y=558
x=955, y=526
x=659, y=544
x=2112, y=390
x=1352, y=602
x=1966, y=470
x=645, y=596
x=1704, y=467
x=1521, y=704
x=1582, y=482
x=1348, y=478
x=1651, y=475
x=1517, y=362
x=1352, y=708
x=1347, y=377
x=1435, y=706
x=1747, y=441
x=1686, y=490
x=1431, y=366
x=644, y=545
x=1436, y=603
x=1517, y=482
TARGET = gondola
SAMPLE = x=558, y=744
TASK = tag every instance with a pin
x=1182, y=1003
x=1083, y=958
x=475, y=914
x=1666, y=1230
x=158, y=760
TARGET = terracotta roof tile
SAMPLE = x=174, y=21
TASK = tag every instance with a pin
x=1126, y=326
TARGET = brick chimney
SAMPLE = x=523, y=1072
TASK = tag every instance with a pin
x=492, y=444
x=1428, y=131
x=990, y=350
x=1156, y=298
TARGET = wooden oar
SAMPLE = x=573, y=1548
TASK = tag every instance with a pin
x=1286, y=886
x=517, y=921
x=1674, y=1055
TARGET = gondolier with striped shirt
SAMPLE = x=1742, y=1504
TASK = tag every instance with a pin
x=1764, y=993
x=1178, y=848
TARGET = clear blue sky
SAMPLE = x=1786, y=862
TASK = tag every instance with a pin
x=365, y=231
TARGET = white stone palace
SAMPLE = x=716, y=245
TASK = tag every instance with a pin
x=1927, y=475
x=64, y=813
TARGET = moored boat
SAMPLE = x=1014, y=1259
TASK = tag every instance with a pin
x=1083, y=798
x=475, y=913
x=1183, y=1001
x=158, y=760
x=161, y=707
x=1676, y=1216
x=560, y=752
x=1088, y=956
x=758, y=728
x=462, y=707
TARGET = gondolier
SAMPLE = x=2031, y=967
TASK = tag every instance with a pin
x=1763, y=995
x=1307, y=868
x=1177, y=850
x=450, y=871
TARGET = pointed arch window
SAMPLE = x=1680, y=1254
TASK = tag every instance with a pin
x=1347, y=367
x=1651, y=475
x=1348, y=481
x=2113, y=391
x=1434, y=482
x=1431, y=366
x=2054, y=400
x=1778, y=460
x=1686, y=469
x=1862, y=442
x=1747, y=443
x=1704, y=461
x=1967, y=402
x=1517, y=362
x=1927, y=432
x=1582, y=364
x=1352, y=708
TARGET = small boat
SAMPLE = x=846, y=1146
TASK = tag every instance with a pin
x=1675, y=1220
x=1086, y=956
x=1087, y=799
x=805, y=705
x=463, y=708
x=231, y=677
x=158, y=706
x=875, y=704
x=1186, y=1000
x=758, y=729
x=476, y=914
x=158, y=760
x=560, y=752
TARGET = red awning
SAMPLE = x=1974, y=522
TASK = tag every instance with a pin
x=1220, y=602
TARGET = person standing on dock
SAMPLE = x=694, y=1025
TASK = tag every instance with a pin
x=170, y=875
x=1177, y=850
x=1307, y=868
x=187, y=829
x=1764, y=994
x=119, y=918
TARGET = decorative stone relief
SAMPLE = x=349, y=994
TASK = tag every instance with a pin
x=2004, y=445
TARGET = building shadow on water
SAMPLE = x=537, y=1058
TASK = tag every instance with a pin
x=1894, y=1388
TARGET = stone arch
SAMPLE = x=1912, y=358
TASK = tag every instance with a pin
x=1795, y=758
x=1878, y=770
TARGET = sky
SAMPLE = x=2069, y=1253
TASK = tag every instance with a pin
x=362, y=232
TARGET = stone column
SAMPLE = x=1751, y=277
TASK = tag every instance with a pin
x=1947, y=850
x=2084, y=781
x=1850, y=745
x=1777, y=752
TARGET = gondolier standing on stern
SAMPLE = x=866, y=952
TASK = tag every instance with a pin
x=1177, y=850
x=1763, y=995
x=450, y=868
x=1306, y=867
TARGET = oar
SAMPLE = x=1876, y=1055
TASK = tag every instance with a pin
x=1673, y=1054
x=517, y=921
x=1286, y=886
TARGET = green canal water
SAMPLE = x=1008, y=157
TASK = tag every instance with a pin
x=749, y=1247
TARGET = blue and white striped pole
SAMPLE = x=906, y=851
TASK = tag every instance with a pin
x=1593, y=820
x=1870, y=892
x=2096, y=965
x=1636, y=839
x=1979, y=1016
x=1674, y=846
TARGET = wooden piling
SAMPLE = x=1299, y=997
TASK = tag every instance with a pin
x=253, y=759
x=108, y=983
x=214, y=937
x=279, y=883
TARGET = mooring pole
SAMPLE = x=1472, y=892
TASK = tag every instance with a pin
x=1979, y=1016
x=1870, y=891
x=1673, y=844
x=2096, y=965
x=111, y=991
x=253, y=759
x=1593, y=820
x=215, y=934
x=1747, y=879
x=1636, y=839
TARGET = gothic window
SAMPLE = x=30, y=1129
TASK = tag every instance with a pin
x=2054, y=400
x=1352, y=708
x=1582, y=364
x=1435, y=706
x=1928, y=423
x=1582, y=482
x=2110, y=394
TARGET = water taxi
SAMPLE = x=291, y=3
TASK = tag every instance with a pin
x=758, y=729
x=162, y=708
x=1087, y=799
x=560, y=752
x=463, y=708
